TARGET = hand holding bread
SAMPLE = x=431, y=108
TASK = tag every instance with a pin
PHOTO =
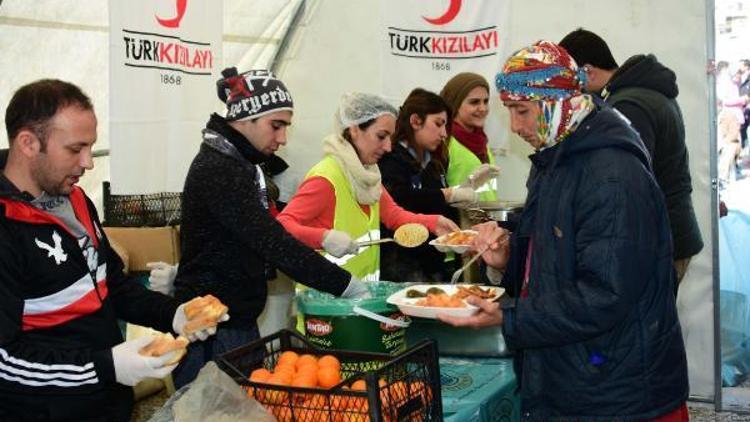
x=198, y=318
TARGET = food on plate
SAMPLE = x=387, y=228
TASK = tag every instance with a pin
x=203, y=312
x=435, y=291
x=414, y=293
x=441, y=301
x=166, y=343
x=457, y=238
x=474, y=290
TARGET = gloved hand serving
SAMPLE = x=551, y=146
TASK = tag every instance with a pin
x=462, y=197
x=162, y=277
x=480, y=176
x=338, y=243
x=131, y=367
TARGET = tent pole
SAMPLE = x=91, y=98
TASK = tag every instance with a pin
x=713, y=174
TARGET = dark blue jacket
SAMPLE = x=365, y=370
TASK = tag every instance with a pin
x=598, y=337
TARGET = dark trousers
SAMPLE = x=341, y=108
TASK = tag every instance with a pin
x=111, y=404
x=201, y=352
x=743, y=128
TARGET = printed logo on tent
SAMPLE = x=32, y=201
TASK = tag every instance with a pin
x=464, y=38
x=55, y=252
x=178, y=51
x=175, y=21
x=448, y=16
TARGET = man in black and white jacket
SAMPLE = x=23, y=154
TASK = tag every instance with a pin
x=62, y=287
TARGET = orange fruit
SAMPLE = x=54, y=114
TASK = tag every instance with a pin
x=306, y=360
x=329, y=360
x=398, y=392
x=328, y=377
x=283, y=414
x=359, y=385
x=285, y=367
x=260, y=375
x=304, y=381
x=289, y=357
x=275, y=396
x=422, y=390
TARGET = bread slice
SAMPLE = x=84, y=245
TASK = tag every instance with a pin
x=203, y=312
x=164, y=344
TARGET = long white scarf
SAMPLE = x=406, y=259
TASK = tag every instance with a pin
x=364, y=179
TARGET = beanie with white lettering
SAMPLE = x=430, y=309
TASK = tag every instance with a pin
x=252, y=94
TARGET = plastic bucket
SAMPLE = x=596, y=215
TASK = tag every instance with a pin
x=369, y=325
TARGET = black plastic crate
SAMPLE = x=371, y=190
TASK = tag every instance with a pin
x=153, y=210
x=405, y=387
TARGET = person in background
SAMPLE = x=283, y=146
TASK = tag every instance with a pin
x=645, y=91
x=730, y=120
x=470, y=160
x=341, y=201
x=743, y=85
x=593, y=321
x=62, y=287
x=413, y=173
x=231, y=245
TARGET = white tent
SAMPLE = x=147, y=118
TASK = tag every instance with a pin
x=334, y=48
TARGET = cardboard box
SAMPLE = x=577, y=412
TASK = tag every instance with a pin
x=147, y=244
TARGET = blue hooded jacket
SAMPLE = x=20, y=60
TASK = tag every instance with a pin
x=597, y=337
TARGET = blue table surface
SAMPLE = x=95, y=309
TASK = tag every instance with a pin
x=479, y=390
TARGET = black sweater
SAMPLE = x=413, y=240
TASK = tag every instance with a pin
x=229, y=240
x=418, y=190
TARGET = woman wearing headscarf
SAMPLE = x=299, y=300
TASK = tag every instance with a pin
x=342, y=201
x=470, y=161
x=414, y=174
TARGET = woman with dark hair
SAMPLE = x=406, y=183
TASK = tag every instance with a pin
x=341, y=202
x=414, y=174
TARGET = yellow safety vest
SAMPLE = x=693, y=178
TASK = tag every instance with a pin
x=461, y=162
x=349, y=218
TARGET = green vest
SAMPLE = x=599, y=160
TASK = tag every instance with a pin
x=461, y=162
x=349, y=218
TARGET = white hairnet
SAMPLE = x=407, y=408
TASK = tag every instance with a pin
x=356, y=108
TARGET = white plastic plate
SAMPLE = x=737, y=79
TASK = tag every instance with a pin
x=408, y=305
x=459, y=249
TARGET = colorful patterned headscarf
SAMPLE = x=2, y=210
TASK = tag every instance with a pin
x=545, y=73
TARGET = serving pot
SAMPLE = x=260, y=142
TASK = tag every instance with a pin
x=509, y=211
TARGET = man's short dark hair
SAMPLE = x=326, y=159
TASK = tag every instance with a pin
x=588, y=48
x=33, y=105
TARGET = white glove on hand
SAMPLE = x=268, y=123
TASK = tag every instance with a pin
x=356, y=290
x=462, y=197
x=480, y=176
x=162, y=277
x=338, y=243
x=132, y=367
x=180, y=319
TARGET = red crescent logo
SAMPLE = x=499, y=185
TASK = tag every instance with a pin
x=175, y=21
x=449, y=15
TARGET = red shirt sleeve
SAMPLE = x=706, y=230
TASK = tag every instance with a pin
x=394, y=216
x=309, y=214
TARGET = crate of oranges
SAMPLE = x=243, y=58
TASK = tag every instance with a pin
x=297, y=382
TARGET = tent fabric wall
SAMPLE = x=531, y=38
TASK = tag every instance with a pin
x=335, y=50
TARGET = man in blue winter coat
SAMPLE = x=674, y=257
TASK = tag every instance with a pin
x=593, y=321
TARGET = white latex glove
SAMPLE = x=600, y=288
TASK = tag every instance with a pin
x=132, y=367
x=162, y=277
x=480, y=176
x=462, y=197
x=445, y=225
x=356, y=290
x=180, y=319
x=338, y=243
